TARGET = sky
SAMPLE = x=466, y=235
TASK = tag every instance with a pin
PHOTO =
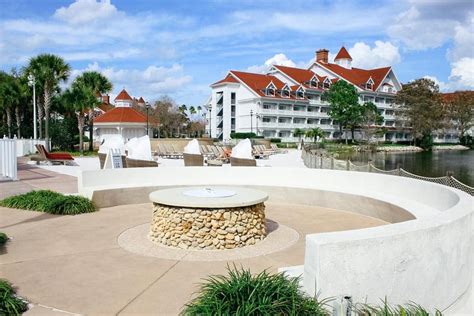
x=179, y=48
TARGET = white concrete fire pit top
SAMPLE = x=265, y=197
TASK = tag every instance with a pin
x=208, y=197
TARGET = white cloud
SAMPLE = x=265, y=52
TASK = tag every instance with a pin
x=383, y=54
x=278, y=59
x=85, y=11
x=149, y=82
x=462, y=72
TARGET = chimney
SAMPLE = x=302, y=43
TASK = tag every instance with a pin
x=106, y=99
x=322, y=55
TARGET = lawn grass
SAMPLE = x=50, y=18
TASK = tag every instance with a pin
x=50, y=202
x=10, y=304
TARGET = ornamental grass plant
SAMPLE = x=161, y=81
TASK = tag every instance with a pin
x=385, y=309
x=3, y=239
x=10, y=304
x=241, y=294
x=50, y=202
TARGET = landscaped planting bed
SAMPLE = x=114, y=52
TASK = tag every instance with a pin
x=50, y=202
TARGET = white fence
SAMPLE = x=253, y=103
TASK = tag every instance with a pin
x=27, y=146
x=8, y=165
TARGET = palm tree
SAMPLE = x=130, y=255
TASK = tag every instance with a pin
x=9, y=97
x=315, y=133
x=99, y=84
x=80, y=99
x=49, y=70
x=298, y=132
x=192, y=110
x=199, y=109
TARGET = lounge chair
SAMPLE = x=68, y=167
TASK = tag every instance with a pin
x=102, y=158
x=53, y=157
x=242, y=162
x=136, y=163
x=193, y=160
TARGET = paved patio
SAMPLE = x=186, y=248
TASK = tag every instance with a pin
x=74, y=264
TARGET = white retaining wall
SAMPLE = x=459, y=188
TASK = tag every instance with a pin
x=427, y=260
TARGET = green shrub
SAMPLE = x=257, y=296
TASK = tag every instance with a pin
x=385, y=309
x=3, y=238
x=241, y=293
x=244, y=135
x=10, y=304
x=50, y=202
x=275, y=140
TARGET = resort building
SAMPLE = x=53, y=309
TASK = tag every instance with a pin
x=274, y=104
x=121, y=119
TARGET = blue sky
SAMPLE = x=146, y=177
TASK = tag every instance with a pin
x=178, y=48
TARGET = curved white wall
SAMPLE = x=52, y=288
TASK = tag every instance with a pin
x=427, y=260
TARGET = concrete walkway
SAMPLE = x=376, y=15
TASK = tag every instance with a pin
x=31, y=177
x=74, y=264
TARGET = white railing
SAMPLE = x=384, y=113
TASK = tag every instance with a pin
x=27, y=146
x=8, y=164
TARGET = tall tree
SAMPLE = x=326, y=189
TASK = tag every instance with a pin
x=80, y=98
x=49, y=70
x=192, y=110
x=343, y=104
x=9, y=97
x=461, y=111
x=298, y=132
x=422, y=109
x=199, y=110
x=99, y=84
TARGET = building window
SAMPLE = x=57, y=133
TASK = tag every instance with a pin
x=285, y=92
x=327, y=84
x=232, y=98
x=300, y=93
x=270, y=89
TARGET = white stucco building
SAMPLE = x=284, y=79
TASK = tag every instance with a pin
x=286, y=98
x=121, y=119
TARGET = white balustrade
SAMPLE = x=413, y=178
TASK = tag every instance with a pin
x=8, y=164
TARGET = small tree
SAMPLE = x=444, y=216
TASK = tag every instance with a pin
x=315, y=133
x=461, y=112
x=421, y=107
x=343, y=104
x=370, y=120
x=298, y=132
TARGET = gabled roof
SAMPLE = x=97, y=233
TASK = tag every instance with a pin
x=343, y=54
x=123, y=95
x=121, y=115
x=141, y=100
x=229, y=78
x=357, y=76
x=299, y=75
x=258, y=82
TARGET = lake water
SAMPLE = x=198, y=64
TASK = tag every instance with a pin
x=430, y=164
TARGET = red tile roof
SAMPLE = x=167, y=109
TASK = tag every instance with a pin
x=123, y=95
x=141, y=100
x=357, y=76
x=258, y=83
x=106, y=107
x=451, y=96
x=121, y=115
x=302, y=76
x=343, y=53
x=229, y=78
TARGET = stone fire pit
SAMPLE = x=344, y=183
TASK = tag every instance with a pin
x=208, y=218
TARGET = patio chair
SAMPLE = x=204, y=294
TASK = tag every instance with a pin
x=53, y=157
x=242, y=162
x=193, y=160
x=137, y=163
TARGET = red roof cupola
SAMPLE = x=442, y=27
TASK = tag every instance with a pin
x=343, y=54
x=123, y=96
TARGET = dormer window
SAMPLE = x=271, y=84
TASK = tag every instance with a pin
x=270, y=90
x=285, y=92
x=326, y=83
x=300, y=93
x=314, y=82
x=369, y=84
